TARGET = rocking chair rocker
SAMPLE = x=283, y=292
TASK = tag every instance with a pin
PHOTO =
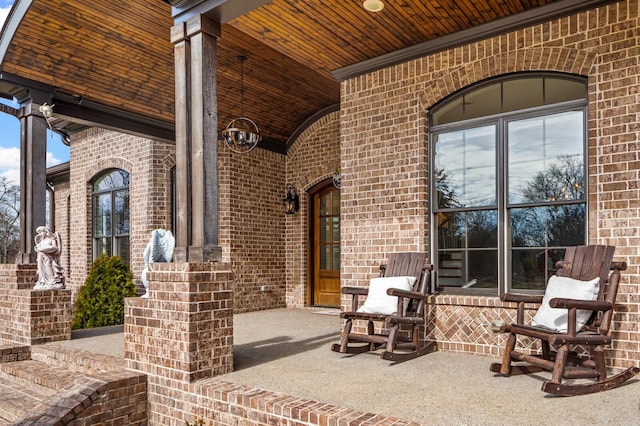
x=585, y=270
x=408, y=310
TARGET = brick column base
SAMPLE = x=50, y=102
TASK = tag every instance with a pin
x=27, y=316
x=184, y=330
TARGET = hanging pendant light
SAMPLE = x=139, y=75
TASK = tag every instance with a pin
x=241, y=134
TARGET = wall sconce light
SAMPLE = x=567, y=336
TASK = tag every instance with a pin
x=337, y=178
x=292, y=200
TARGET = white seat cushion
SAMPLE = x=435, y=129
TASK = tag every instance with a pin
x=565, y=288
x=378, y=301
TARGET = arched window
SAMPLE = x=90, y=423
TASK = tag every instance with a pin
x=110, y=207
x=508, y=181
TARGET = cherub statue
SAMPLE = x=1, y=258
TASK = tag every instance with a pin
x=159, y=249
x=48, y=245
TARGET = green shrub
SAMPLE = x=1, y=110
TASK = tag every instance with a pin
x=101, y=300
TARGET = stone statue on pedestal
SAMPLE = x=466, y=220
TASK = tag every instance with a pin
x=159, y=249
x=48, y=245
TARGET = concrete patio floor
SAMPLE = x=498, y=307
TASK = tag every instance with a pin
x=287, y=351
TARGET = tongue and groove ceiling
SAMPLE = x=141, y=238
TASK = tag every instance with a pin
x=111, y=60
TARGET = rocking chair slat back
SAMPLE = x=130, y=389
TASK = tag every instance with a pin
x=405, y=264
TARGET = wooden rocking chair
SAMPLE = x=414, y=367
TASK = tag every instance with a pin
x=559, y=344
x=409, y=311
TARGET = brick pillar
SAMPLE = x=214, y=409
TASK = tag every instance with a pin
x=184, y=330
x=28, y=316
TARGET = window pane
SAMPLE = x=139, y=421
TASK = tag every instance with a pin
x=483, y=269
x=562, y=90
x=448, y=113
x=102, y=246
x=450, y=268
x=546, y=157
x=451, y=230
x=482, y=102
x=122, y=248
x=466, y=167
x=522, y=94
x=531, y=268
x=102, y=214
x=482, y=228
x=336, y=229
x=112, y=180
x=557, y=225
x=121, y=215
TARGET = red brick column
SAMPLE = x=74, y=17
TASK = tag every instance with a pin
x=30, y=317
x=184, y=330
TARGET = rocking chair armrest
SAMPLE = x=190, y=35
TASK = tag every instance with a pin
x=356, y=291
x=521, y=298
x=590, y=305
x=405, y=293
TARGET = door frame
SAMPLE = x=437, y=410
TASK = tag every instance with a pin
x=310, y=238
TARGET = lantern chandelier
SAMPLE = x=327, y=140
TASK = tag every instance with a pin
x=241, y=134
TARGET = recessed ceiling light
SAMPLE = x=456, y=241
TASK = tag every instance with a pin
x=373, y=5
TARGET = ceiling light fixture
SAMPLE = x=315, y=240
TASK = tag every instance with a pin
x=241, y=134
x=373, y=5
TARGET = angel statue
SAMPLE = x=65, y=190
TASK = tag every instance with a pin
x=50, y=272
x=159, y=249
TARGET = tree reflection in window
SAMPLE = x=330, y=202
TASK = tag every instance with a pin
x=509, y=188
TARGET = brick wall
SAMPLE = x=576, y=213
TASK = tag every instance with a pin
x=384, y=154
x=62, y=223
x=149, y=166
x=252, y=226
x=312, y=158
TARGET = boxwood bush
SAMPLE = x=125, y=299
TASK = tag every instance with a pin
x=101, y=299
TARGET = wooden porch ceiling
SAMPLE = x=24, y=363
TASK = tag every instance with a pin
x=103, y=61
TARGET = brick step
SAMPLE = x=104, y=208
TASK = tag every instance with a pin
x=76, y=360
x=16, y=401
x=55, y=384
x=42, y=378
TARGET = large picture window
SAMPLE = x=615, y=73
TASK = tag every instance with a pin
x=508, y=182
x=110, y=208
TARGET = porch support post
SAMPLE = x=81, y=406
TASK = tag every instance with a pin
x=33, y=175
x=195, y=45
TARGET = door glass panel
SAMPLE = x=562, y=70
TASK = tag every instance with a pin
x=325, y=230
x=325, y=256
x=325, y=205
x=335, y=203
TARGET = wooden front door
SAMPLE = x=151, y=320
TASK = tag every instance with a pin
x=326, y=247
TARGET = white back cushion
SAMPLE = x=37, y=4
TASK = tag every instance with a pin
x=378, y=301
x=565, y=288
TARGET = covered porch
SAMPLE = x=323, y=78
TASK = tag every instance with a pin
x=283, y=362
